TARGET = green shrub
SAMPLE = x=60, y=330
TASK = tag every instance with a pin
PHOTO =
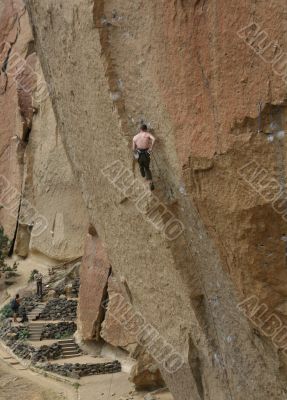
x=6, y=312
x=31, y=278
x=23, y=334
x=63, y=335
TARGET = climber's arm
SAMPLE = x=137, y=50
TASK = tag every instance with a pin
x=152, y=139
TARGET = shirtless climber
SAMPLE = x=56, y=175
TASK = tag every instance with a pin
x=142, y=145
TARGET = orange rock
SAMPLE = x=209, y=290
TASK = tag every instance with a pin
x=94, y=276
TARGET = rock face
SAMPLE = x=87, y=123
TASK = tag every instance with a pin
x=37, y=184
x=50, y=187
x=190, y=69
x=145, y=374
x=113, y=330
x=94, y=274
x=15, y=34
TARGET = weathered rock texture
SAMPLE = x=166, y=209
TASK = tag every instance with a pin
x=15, y=34
x=94, y=274
x=145, y=374
x=32, y=157
x=113, y=330
x=181, y=66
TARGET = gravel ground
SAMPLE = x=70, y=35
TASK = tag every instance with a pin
x=13, y=386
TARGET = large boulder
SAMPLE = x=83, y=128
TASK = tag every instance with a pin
x=94, y=272
x=145, y=373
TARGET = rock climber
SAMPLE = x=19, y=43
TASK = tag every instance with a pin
x=143, y=143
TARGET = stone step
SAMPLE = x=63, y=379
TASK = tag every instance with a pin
x=71, y=351
x=67, y=341
x=75, y=351
x=75, y=355
x=36, y=329
x=68, y=346
x=36, y=326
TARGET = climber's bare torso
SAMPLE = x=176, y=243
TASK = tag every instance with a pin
x=143, y=140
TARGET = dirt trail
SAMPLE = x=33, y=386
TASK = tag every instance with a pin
x=25, y=385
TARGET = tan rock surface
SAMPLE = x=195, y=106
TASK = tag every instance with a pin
x=181, y=66
x=50, y=187
x=145, y=374
x=113, y=330
x=94, y=274
x=32, y=157
x=15, y=34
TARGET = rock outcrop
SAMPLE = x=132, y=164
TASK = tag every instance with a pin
x=117, y=314
x=206, y=80
x=37, y=184
x=94, y=274
x=15, y=34
x=145, y=374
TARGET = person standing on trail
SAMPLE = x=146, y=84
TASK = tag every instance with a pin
x=15, y=304
x=38, y=277
x=142, y=146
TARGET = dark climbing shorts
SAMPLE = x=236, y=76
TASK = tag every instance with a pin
x=144, y=162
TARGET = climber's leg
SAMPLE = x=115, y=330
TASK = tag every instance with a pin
x=144, y=162
x=148, y=174
x=141, y=164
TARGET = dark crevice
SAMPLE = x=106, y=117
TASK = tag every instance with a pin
x=195, y=364
x=5, y=63
x=13, y=241
x=26, y=134
x=31, y=48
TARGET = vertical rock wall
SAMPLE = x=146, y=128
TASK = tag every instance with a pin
x=182, y=67
x=32, y=157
